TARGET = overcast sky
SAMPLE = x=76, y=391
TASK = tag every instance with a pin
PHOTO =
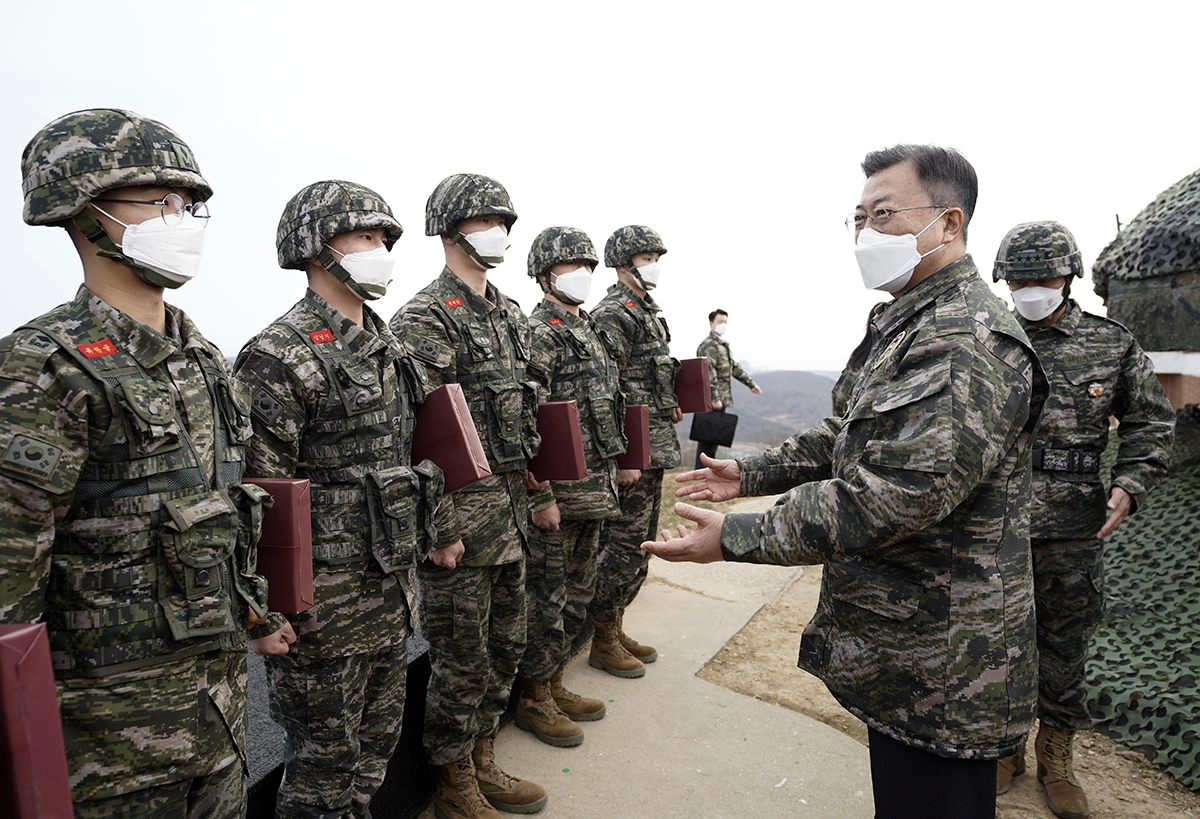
x=735, y=130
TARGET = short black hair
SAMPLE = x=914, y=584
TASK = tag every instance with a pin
x=718, y=312
x=945, y=174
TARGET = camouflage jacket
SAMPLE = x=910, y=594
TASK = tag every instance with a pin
x=455, y=336
x=568, y=362
x=917, y=502
x=331, y=403
x=124, y=528
x=722, y=367
x=1096, y=369
x=638, y=340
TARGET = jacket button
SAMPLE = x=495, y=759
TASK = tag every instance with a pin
x=202, y=577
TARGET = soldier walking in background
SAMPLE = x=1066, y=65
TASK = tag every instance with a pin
x=461, y=329
x=123, y=523
x=722, y=366
x=638, y=340
x=1095, y=369
x=333, y=402
x=568, y=362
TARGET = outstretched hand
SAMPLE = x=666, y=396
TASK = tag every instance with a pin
x=700, y=545
x=720, y=480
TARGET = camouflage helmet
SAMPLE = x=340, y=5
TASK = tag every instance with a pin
x=560, y=244
x=627, y=242
x=1036, y=251
x=321, y=211
x=462, y=196
x=77, y=157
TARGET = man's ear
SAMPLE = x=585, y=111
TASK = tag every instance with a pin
x=954, y=223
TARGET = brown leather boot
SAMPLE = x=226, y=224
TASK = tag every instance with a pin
x=1064, y=795
x=580, y=709
x=457, y=795
x=1007, y=768
x=609, y=655
x=504, y=792
x=538, y=713
x=647, y=654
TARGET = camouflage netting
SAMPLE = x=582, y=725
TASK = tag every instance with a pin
x=1142, y=677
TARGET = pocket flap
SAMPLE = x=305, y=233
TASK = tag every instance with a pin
x=886, y=595
x=151, y=402
x=912, y=387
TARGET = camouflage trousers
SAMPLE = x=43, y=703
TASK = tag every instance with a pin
x=560, y=581
x=474, y=620
x=341, y=720
x=622, y=565
x=220, y=795
x=1068, y=583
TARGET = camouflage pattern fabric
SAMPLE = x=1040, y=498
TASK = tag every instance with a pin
x=917, y=502
x=621, y=566
x=134, y=636
x=341, y=718
x=627, y=242
x=474, y=620
x=463, y=195
x=323, y=210
x=1096, y=369
x=1036, y=251
x=722, y=367
x=844, y=387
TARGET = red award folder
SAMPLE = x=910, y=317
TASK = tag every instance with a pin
x=692, y=387
x=637, y=433
x=445, y=434
x=285, y=549
x=33, y=760
x=561, y=455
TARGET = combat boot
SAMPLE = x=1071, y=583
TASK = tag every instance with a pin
x=608, y=654
x=580, y=709
x=1064, y=795
x=647, y=654
x=504, y=792
x=1007, y=768
x=538, y=713
x=457, y=795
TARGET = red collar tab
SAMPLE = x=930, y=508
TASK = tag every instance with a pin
x=97, y=349
x=321, y=336
x=555, y=321
x=454, y=302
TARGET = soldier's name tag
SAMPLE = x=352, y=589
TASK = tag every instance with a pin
x=29, y=456
x=98, y=349
x=321, y=336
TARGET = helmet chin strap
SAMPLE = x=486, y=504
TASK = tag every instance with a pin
x=95, y=233
x=486, y=262
x=331, y=264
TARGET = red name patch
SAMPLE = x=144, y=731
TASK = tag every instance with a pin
x=629, y=304
x=555, y=321
x=454, y=302
x=321, y=336
x=97, y=350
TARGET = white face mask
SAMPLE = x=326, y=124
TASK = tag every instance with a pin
x=370, y=271
x=574, y=286
x=885, y=261
x=489, y=246
x=720, y=329
x=1037, y=303
x=171, y=251
x=648, y=275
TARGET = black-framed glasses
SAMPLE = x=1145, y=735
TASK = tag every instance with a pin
x=882, y=217
x=171, y=207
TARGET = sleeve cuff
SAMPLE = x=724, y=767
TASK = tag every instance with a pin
x=740, y=536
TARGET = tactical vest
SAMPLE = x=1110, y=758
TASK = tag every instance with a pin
x=150, y=558
x=649, y=375
x=368, y=503
x=592, y=383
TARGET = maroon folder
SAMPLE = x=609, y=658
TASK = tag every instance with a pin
x=637, y=433
x=692, y=389
x=33, y=760
x=446, y=435
x=561, y=455
x=285, y=549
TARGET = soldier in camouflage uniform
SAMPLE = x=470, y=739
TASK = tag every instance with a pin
x=1096, y=370
x=332, y=401
x=638, y=340
x=123, y=523
x=568, y=362
x=722, y=367
x=916, y=501
x=461, y=329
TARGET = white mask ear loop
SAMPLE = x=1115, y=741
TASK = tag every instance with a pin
x=927, y=227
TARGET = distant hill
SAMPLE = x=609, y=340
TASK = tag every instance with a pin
x=792, y=401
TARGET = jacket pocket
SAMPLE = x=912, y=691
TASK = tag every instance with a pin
x=912, y=418
x=197, y=540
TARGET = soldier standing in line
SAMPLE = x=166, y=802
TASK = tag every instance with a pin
x=332, y=401
x=568, y=362
x=461, y=329
x=638, y=340
x=916, y=502
x=126, y=529
x=722, y=367
x=1096, y=370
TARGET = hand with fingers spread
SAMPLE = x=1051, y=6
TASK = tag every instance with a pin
x=700, y=545
x=720, y=480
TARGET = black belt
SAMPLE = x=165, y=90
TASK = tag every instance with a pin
x=1065, y=460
